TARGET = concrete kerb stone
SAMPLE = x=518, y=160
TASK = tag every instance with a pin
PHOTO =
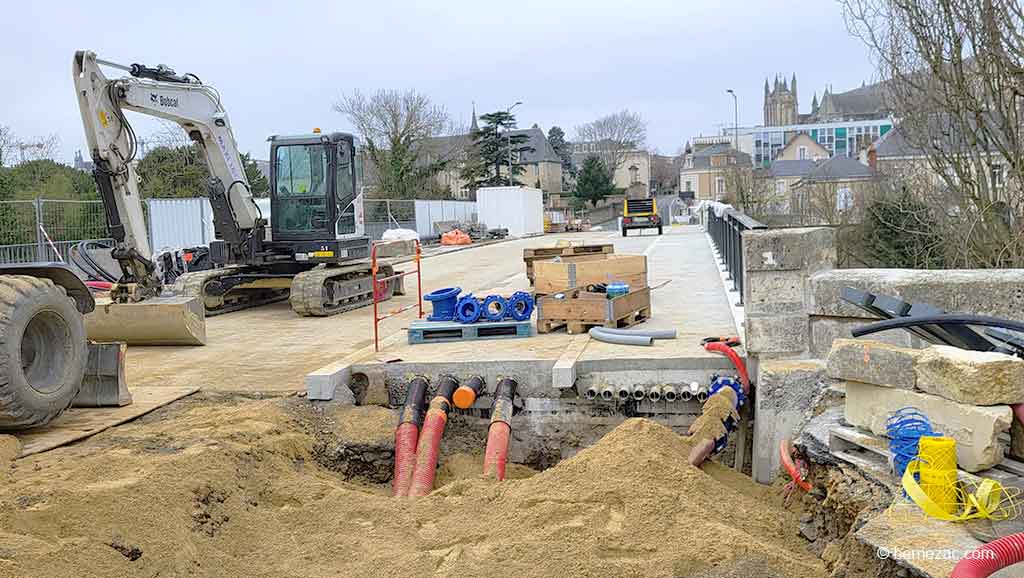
x=797, y=249
x=873, y=362
x=788, y=392
x=976, y=429
x=331, y=382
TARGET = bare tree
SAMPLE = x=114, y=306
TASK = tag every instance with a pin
x=953, y=74
x=397, y=130
x=8, y=143
x=38, y=148
x=614, y=137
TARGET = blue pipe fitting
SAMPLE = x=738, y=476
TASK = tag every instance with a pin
x=520, y=306
x=468, y=309
x=718, y=383
x=443, y=302
x=495, y=307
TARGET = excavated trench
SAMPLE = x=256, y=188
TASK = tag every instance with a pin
x=222, y=486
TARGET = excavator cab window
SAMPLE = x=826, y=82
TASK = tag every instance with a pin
x=301, y=187
x=345, y=192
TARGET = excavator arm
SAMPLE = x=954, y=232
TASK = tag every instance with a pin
x=182, y=99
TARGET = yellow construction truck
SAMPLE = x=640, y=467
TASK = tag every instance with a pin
x=640, y=214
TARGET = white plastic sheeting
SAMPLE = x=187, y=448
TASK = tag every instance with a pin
x=518, y=209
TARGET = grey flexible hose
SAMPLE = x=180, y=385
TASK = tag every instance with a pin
x=617, y=339
x=655, y=333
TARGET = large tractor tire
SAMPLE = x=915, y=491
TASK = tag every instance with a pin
x=43, y=351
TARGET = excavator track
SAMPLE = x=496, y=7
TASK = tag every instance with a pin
x=198, y=284
x=325, y=291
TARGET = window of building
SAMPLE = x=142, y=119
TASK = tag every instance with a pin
x=802, y=153
x=844, y=199
x=720, y=185
x=634, y=175
x=780, y=186
x=998, y=175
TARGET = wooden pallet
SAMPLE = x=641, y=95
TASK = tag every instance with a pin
x=444, y=331
x=579, y=310
x=544, y=253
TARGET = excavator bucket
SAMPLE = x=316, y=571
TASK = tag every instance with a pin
x=104, y=383
x=174, y=320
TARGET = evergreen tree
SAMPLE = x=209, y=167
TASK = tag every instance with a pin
x=594, y=182
x=488, y=162
x=556, y=136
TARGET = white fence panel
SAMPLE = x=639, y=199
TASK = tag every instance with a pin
x=180, y=222
x=434, y=211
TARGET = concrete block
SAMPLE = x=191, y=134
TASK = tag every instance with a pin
x=797, y=249
x=825, y=330
x=776, y=333
x=976, y=429
x=974, y=377
x=774, y=291
x=997, y=292
x=873, y=362
x=787, y=395
x=563, y=374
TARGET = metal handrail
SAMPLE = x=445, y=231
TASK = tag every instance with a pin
x=727, y=235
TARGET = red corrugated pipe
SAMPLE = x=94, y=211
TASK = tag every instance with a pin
x=786, y=455
x=429, y=446
x=496, y=454
x=990, y=558
x=407, y=434
x=725, y=349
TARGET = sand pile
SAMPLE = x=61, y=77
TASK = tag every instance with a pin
x=215, y=489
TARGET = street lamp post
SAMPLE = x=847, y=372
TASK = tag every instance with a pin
x=736, y=121
x=508, y=133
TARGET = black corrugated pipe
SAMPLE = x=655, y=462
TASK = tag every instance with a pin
x=407, y=435
x=496, y=453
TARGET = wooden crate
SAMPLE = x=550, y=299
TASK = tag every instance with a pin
x=443, y=331
x=580, y=310
x=545, y=253
x=580, y=271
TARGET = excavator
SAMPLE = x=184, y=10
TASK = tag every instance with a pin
x=312, y=250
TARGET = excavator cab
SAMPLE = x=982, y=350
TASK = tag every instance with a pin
x=313, y=184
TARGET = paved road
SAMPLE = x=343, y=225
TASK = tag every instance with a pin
x=272, y=349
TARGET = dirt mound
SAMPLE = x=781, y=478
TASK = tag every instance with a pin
x=10, y=447
x=224, y=489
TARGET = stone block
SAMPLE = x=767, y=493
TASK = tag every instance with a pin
x=797, y=249
x=776, y=333
x=774, y=291
x=974, y=377
x=873, y=362
x=976, y=429
x=996, y=292
x=788, y=392
x=825, y=330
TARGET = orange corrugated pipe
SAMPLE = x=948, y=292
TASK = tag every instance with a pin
x=429, y=446
x=496, y=454
x=466, y=394
x=407, y=434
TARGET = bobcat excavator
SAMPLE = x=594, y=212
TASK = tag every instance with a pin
x=312, y=250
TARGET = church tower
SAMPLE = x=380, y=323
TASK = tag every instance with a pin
x=780, y=104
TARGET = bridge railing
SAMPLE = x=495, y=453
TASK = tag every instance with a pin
x=725, y=226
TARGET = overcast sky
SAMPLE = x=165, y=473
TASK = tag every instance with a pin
x=280, y=65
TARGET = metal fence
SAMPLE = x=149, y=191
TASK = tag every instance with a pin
x=726, y=226
x=46, y=230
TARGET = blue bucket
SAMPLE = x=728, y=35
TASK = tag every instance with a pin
x=443, y=301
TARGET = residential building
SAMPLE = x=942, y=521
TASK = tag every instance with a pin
x=802, y=148
x=634, y=170
x=705, y=170
x=825, y=191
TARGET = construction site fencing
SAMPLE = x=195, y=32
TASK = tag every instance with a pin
x=46, y=230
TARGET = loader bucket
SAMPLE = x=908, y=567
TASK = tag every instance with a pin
x=157, y=321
